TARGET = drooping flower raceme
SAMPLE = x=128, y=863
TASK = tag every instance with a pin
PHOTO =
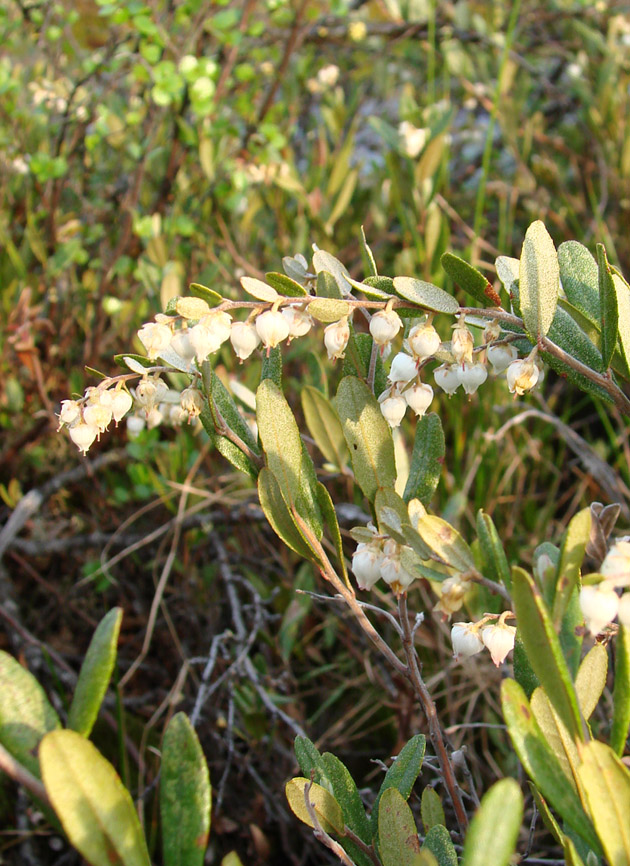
x=209, y=334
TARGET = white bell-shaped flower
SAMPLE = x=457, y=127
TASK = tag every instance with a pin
x=501, y=356
x=392, y=571
x=471, y=376
x=466, y=640
x=616, y=565
x=403, y=369
x=83, y=435
x=447, y=378
x=423, y=341
x=599, y=605
x=150, y=392
x=419, y=398
x=99, y=414
x=156, y=416
x=499, y=640
x=522, y=376
x=336, y=338
x=122, y=402
x=624, y=610
x=209, y=334
x=244, y=338
x=272, y=328
x=452, y=592
x=462, y=343
x=192, y=402
x=155, y=338
x=300, y=323
x=393, y=406
x=70, y=412
x=177, y=415
x=135, y=426
x=366, y=564
x=384, y=326
x=182, y=344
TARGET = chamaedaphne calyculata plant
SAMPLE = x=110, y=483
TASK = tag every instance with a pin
x=391, y=337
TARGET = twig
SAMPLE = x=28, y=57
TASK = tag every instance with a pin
x=22, y=776
x=320, y=834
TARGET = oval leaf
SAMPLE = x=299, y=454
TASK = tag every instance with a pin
x=621, y=693
x=397, y=834
x=470, y=280
x=328, y=309
x=606, y=782
x=609, y=309
x=367, y=435
x=431, y=809
x=571, y=557
x=438, y=842
x=425, y=295
x=347, y=795
x=493, y=832
x=591, y=679
x=402, y=774
x=539, y=280
x=184, y=795
x=494, y=562
x=25, y=713
x=578, y=273
x=95, y=674
x=327, y=809
x=278, y=514
x=445, y=542
x=93, y=805
x=427, y=459
x=324, y=426
x=259, y=290
x=285, y=285
x=323, y=261
x=622, y=292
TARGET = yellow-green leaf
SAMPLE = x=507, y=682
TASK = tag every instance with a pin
x=398, y=841
x=607, y=786
x=591, y=679
x=493, y=832
x=94, y=807
x=328, y=309
x=539, y=280
x=425, y=295
x=324, y=426
x=327, y=809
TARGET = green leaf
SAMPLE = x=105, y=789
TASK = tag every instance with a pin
x=606, y=782
x=367, y=435
x=539, y=280
x=139, y=359
x=591, y=679
x=494, y=562
x=609, y=310
x=280, y=518
x=285, y=285
x=259, y=290
x=493, y=832
x=95, y=673
x=212, y=298
x=271, y=367
x=425, y=295
x=307, y=756
x=25, y=713
x=438, y=842
x=286, y=456
x=185, y=795
x=427, y=459
x=93, y=805
x=327, y=286
x=621, y=692
x=402, y=774
x=327, y=809
x=556, y=735
x=220, y=413
x=398, y=841
x=571, y=557
x=540, y=763
x=445, y=542
x=431, y=809
x=470, y=280
x=328, y=309
x=543, y=649
x=368, y=258
x=324, y=426
x=357, y=361
x=578, y=273
x=622, y=292
x=330, y=519
x=323, y=261
x=391, y=513
x=523, y=671
x=346, y=793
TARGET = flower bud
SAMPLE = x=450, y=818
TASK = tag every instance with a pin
x=149, y=392
x=462, y=343
x=336, y=338
x=447, y=378
x=83, y=435
x=244, y=338
x=452, y=592
x=122, y=402
x=616, y=565
x=192, y=402
x=501, y=356
x=466, y=641
x=155, y=338
x=491, y=332
x=522, y=375
x=419, y=398
x=272, y=328
x=403, y=368
x=384, y=326
x=70, y=412
x=471, y=376
x=393, y=407
x=423, y=341
x=499, y=640
x=300, y=322
x=599, y=606
x=366, y=564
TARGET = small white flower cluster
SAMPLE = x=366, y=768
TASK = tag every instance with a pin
x=470, y=638
x=379, y=557
x=86, y=419
x=600, y=603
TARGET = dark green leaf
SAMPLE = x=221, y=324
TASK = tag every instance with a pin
x=438, y=842
x=95, y=673
x=470, y=280
x=493, y=832
x=494, y=561
x=212, y=298
x=368, y=258
x=621, y=693
x=280, y=518
x=427, y=459
x=221, y=413
x=431, y=809
x=357, y=361
x=523, y=671
x=184, y=795
x=425, y=295
x=543, y=649
x=578, y=273
x=347, y=795
x=307, y=756
x=367, y=435
x=609, y=309
x=398, y=841
x=271, y=367
x=327, y=286
x=285, y=285
x=140, y=359
x=330, y=519
x=402, y=774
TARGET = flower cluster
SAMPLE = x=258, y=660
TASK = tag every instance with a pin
x=379, y=556
x=600, y=603
x=469, y=638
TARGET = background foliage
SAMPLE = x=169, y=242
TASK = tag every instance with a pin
x=145, y=146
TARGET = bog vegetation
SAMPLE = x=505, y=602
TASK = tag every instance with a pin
x=316, y=387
